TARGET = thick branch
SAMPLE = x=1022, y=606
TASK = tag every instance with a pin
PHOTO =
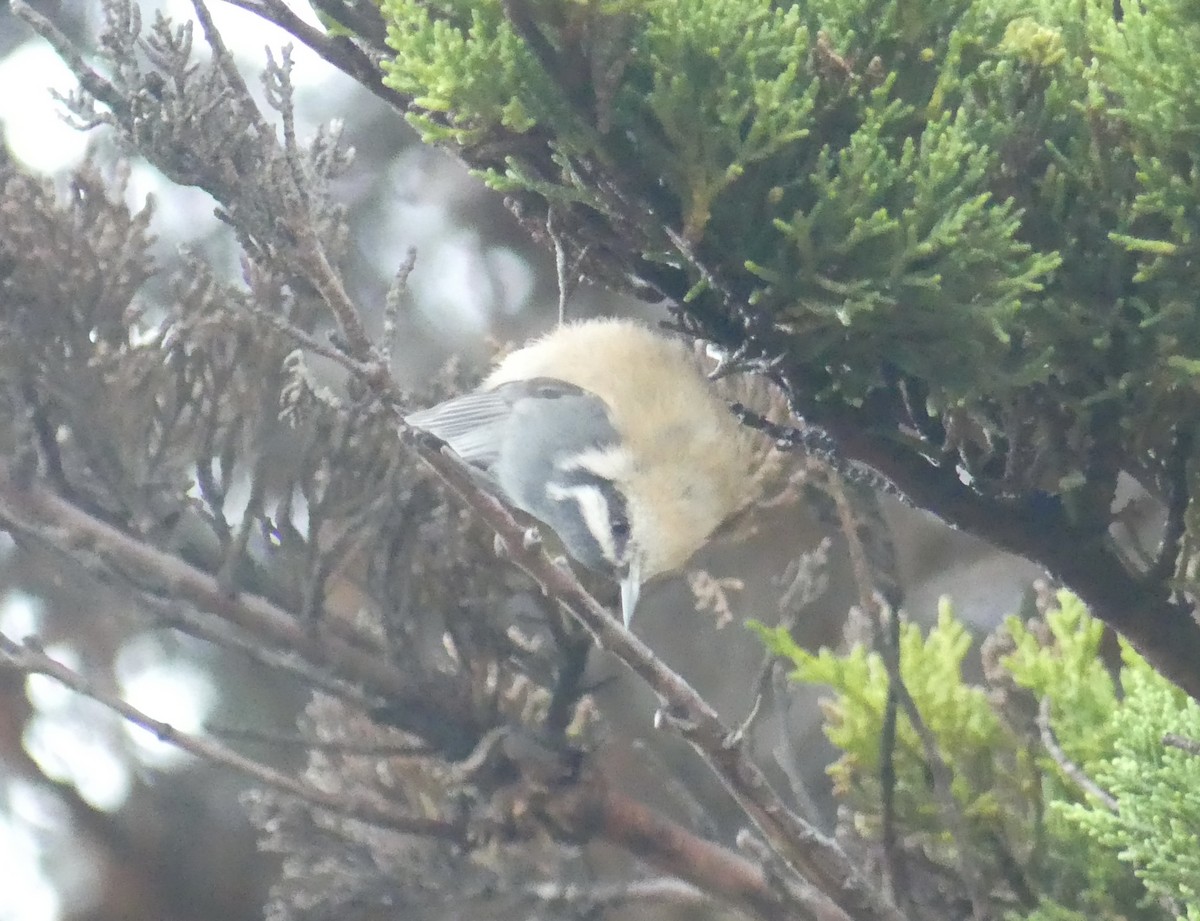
x=1165, y=633
x=590, y=808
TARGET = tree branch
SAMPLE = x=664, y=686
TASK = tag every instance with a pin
x=875, y=577
x=28, y=657
x=668, y=846
x=339, y=51
x=1166, y=633
x=32, y=509
x=802, y=846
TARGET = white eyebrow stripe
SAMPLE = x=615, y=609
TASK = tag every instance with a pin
x=611, y=463
x=594, y=509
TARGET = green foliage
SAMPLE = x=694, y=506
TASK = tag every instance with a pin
x=1048, y=850
x=1157, y=827
x=996, y=200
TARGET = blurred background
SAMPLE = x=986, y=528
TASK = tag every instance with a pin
x=100, y=822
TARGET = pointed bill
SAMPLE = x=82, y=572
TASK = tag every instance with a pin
x=631, y=587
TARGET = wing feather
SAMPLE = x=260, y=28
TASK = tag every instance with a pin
x=474, y=424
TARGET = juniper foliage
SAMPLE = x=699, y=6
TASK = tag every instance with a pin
x=1093, y=816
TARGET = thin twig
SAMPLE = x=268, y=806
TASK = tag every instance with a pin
x=676, y=791
x=803, y=586
x=341, y=52
x=897, y=879
x=820, y=906
x=394, y=303
x=33, y=509
x=566, y=266
x=225, y=63
x=310, y=743
x=789, y=752
x=91, y=81
x=1178, y=495
x=364, y=20
x=1065, y=764
x=1183, y=743
x=170, y=613
x=28, y=657
x=308, y=341
x=313, y=262
x=869, y=579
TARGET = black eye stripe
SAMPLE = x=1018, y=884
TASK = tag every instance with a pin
x=614, y=501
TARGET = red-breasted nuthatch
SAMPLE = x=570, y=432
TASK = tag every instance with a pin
x=610, y=434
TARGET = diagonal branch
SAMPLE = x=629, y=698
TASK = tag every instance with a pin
x=1166, y=633
x=342, y=52
x=28, y=657
x=30, y=508
x=813, y=855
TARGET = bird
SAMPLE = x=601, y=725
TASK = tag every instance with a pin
x=609, y=433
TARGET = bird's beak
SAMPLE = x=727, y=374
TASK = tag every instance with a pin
x=631, y=587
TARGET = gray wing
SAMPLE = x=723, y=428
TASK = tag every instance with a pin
x=476, y=424
x=472, y=424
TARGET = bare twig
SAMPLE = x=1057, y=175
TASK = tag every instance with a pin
x=344, y=53
x=819, y=906
x=888, y=628
x=91, y=81
x=170, y=613
x=871, y=580
x=28, y=657
x=566, y=265
x=224, y=61
x=676, y=791
x=397, y=292
x=789, y=752
x=804, y=581
x=1183, y=743
x=313, y=263
x=1167, y=557
x=309, y=342
x=31, y=508
x=311, y=743
x=1065, y=764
